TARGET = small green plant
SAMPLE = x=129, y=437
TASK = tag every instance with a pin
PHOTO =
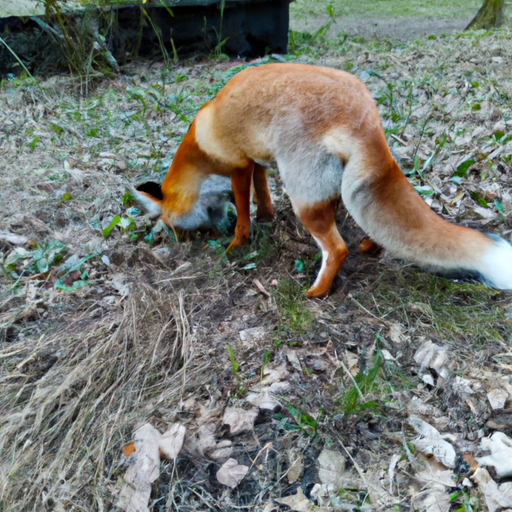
x=292, y=307
x=353, y=400
x=32, y=145
x=302, y=421
x=300, y=41
x=39, y=260
x=234, y=363
x=126, y=224
x=127, y=197
x=267, y=356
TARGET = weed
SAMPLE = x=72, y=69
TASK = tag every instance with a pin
x=39, y=260
x=353, y=400
x=304, y=422
x=451, y=310
x=267, y=356
x=300, y=42
x=234, y=363
x=292, y=307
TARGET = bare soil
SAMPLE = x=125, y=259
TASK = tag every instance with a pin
x=404, y=28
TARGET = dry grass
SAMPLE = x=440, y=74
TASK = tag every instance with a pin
x=73, y=396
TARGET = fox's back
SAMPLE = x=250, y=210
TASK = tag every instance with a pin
x=266, y=109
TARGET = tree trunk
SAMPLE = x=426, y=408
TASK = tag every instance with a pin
x=490, y=15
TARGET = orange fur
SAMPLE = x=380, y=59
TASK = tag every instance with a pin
x=322, y=128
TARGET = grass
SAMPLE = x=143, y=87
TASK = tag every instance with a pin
x=385, y=8
x=294, y=315
x=450, y=310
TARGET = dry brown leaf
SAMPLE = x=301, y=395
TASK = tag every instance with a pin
x=12, y=238
x=430, y=355
x=496, y=496
x=500, y=446
x=431, y=442
x=223, y=450
x=239, y=420
x=298, y=503
x=231, y=473
x=431, y=500
x=171, y=441
x=260, y=287
x=293, y=359
x=497, y=398
x=352, y=362
x=252, y=335
x=264, y=400
x=144, y=458
x=331, y=468
x=296, y=466
x=142, y=472
x=206, y=437
x=396, y=334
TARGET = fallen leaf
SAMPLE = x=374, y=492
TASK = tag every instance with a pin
x=430, y=355
x=144, y=458
x=260, y=287
x=12, y=238
x=497, y=399
x=231, y=473
x=206, y=437
x=496, y=496
x=223, y=450
x=431, y=442
x=171, y=441
x=396, y=333
x=296, y=466
x=431, y=500
x=252, y=335
x=142, y=472
x=293, y=359
x=298, y=503
x=500, y=446
x=239, y=420
x=264, y=400
x=331, y=467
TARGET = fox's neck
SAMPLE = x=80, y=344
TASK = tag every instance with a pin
x=182, y=184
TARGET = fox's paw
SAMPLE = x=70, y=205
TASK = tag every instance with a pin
x=238, y=241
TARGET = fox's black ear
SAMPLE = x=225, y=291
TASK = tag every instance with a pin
x=151, y=188
x=150, y=195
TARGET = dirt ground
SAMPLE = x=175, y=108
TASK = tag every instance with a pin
x=394, y=29
x=381, y=397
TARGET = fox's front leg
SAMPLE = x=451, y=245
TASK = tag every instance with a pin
x=241, y=183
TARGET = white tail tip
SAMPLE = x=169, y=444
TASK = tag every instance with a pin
x=496, y=264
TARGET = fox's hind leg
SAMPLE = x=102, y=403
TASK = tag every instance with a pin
x=241, y=183
x=261, y=194
x=319, y=220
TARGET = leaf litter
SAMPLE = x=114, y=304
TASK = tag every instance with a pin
x=101, y=335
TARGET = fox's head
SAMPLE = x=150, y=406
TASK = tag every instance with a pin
x=210, y=208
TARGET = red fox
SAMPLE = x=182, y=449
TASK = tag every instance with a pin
x=321, y=127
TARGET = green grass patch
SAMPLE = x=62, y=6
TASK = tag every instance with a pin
x=385, y=8
x=292, y=307
x=449, y=309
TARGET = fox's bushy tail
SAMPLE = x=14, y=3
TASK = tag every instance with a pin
x=388, y=208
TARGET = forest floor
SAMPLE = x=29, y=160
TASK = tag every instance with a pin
x=382, y=396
